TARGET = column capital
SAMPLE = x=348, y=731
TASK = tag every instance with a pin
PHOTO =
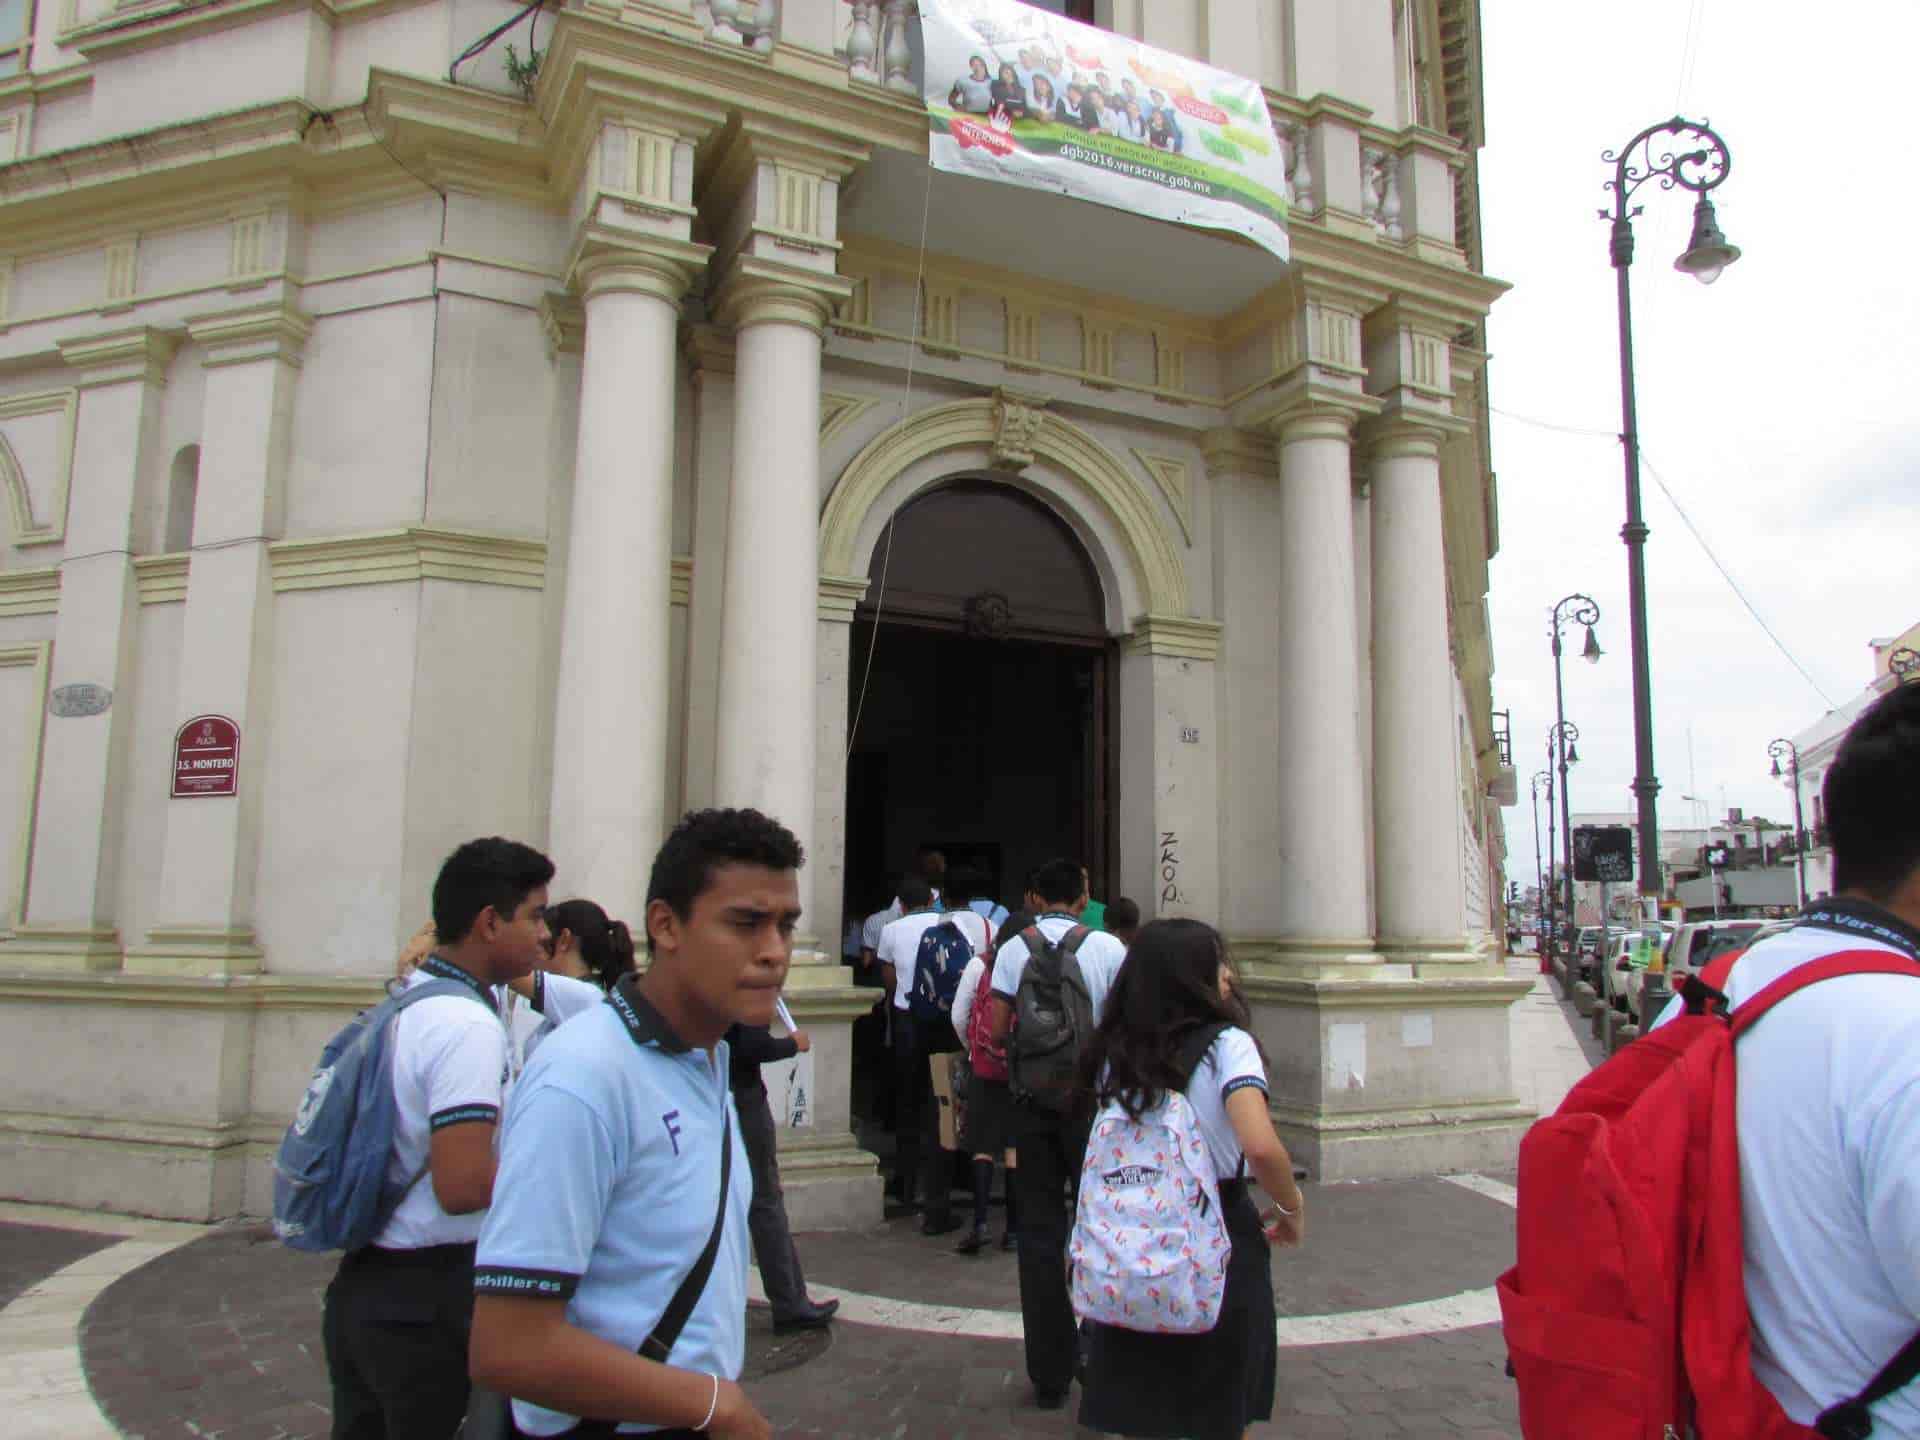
x=275, y=331
x=563, y=319
x=1306, y=409
x=766, y=292
x=117, y=356
x=1404, y=434
x=839, y=595
x=609, y=264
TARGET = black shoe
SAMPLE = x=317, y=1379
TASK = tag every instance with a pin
x=1050, y=1399
x=944, y=1226
x=973, y=1242
x=1008, y=1241
x=816, y=1318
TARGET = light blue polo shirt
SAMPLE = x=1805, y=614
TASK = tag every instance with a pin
x=608, y=1182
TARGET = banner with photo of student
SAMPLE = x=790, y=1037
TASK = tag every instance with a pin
x=1019, y=95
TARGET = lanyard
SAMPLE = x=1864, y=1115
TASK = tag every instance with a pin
x=443, y=970
x=1864, y=918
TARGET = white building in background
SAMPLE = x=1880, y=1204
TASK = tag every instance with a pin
x=543, y=462
x=1819, y=742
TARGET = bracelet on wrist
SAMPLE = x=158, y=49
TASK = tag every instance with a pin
x=713, y=1405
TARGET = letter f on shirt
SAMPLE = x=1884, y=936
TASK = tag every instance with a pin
x=673, y=1131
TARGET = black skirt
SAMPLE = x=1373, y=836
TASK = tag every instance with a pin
x=989, y=1130
x=1211, y=1386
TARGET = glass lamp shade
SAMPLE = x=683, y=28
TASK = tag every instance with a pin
x=1707, y=253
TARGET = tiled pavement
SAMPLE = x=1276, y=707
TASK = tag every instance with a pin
x=220, y=1338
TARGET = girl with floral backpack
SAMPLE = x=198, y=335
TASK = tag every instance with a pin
x=1173, y=1351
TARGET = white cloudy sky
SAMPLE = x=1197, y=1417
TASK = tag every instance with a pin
x=1778, y=405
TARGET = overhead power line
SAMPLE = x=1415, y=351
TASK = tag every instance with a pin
x=1692, y=529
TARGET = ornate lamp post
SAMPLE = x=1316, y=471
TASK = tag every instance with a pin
x=1560, y=741
x=1674, y=152
x=1540, y=778
x=1904, y=665
x=1787, y=748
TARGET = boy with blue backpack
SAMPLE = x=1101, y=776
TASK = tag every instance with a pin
x=391, y=1156
x=910, y=954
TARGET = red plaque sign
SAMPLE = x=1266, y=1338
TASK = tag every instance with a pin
x=206, y=757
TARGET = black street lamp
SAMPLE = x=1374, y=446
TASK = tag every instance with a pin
x=1792, y=751
x=1561, y=743
x=1674, y=152
x=1540, y=777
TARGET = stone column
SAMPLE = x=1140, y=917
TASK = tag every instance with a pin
x=207, y=871
x=1416, y=754
x=67, y=913
x=610, y=711
x=1323, y=859
x=1166, y=677
x=764, y=751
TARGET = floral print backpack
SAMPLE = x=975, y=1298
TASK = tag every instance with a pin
x=1149, y=1247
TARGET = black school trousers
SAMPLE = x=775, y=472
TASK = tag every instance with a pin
x=396, y=1325
x=1050, y=1148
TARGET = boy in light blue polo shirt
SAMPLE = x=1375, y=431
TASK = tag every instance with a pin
x=610, y=1185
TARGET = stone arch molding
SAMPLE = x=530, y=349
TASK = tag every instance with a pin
x=1013, y=442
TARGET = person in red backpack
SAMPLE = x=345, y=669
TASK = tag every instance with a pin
x=989, y=1132
x=1826, y=1108
x=1829, y=1100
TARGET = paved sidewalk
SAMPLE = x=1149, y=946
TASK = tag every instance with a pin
x=215, y=1333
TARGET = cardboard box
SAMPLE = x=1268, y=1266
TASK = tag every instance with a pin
x=950, y=1077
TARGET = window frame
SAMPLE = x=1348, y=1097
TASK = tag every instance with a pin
x=21, y=45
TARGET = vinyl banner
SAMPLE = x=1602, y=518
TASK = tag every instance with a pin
x=1023, y=96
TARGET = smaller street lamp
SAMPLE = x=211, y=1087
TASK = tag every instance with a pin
x=1560, y=741
x=1791, y=751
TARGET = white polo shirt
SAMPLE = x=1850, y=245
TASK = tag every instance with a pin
x=1231, y=1063
x=1829, y=1123
x=900, y=947
x=608, y=1184
x=1101, y=955
x=556, y=999
x=450, y=1067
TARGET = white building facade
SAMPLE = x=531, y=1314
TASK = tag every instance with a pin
x=544, y=460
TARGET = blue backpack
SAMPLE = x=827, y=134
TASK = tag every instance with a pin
x=943, y=955
x=330, y=1186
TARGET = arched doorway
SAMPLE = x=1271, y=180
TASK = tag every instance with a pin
x=980, y=695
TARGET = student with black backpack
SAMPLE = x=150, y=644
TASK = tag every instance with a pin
x=1050, y=984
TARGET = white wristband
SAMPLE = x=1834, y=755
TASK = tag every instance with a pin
x=712, y=1405
x=1290, y=1214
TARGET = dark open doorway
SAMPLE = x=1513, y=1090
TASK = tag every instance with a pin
x=986, y=723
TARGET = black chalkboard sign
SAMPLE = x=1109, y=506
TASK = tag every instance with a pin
x=1603, y=853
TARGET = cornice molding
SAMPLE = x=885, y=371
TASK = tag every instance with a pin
x=563, y=320
x=840, y=595
x=390, y=557
x=1229, y=451
x=274, y=331
x=1178, y=636
x=138, y=354
x=161, y=579
x=29, y=592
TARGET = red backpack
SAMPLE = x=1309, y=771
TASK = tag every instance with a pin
x=989, y=1061
x=1626, y=1312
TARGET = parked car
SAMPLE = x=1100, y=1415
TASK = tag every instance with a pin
x=1698, y=942
x=1628, y=957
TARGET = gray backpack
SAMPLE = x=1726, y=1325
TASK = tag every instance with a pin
x=1052, y=1022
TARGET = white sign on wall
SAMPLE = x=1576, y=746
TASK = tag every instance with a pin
x=1022, y=96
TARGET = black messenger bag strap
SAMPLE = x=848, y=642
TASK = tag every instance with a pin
x=1849, y=1419
x=673, y=1320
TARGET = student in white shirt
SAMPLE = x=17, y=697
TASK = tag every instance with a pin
x=591, y=952
x=915, y=1119
x=611, y=1171
x=1828, y=1089
x=1176, y=988
x=988, y=1133
x=1050, y=1145
x=397, y=1316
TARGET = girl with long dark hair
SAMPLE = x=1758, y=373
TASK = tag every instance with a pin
x=1212, y=1385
